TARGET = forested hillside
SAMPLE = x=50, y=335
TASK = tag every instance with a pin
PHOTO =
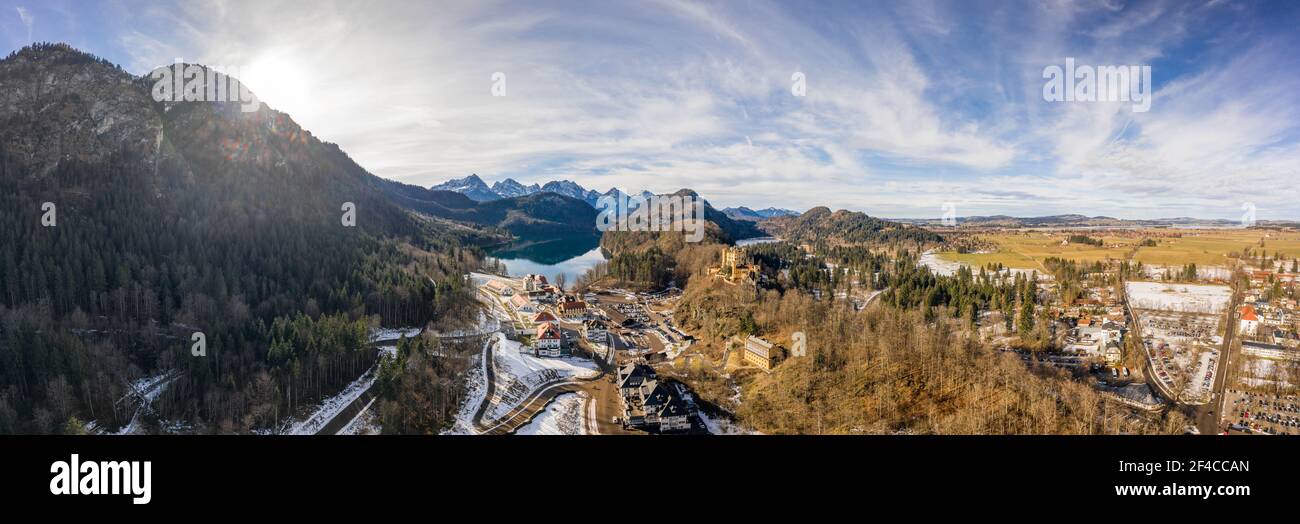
x=176, y=218
x=646, y=259
x=821, y=226
x=537, y=214
x=902, y=366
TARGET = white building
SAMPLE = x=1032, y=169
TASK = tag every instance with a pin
x=549, y=340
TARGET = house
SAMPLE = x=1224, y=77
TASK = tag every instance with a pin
x=761, y=353
x=619, y=318
x=664, y=408
x=652, y=404
x=1286, y=338
x=631, y=376
x=1249, y=320
x=595, y=330
x=500, y=287
x=549, y=340
x=572, y=308
x=543, y=317
x=535, y=284
x=1113, y=353
x=654, y=396
x=522, y=304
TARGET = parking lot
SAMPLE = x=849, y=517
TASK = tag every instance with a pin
x=1262, y=413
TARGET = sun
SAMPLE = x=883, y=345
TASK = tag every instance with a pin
x=280, y=81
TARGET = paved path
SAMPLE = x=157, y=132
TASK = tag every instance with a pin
x=531, y=406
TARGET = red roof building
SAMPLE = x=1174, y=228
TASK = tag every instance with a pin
x=1248, y=313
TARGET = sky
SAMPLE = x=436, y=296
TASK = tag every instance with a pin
x=907, y=106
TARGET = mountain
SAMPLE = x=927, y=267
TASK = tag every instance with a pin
x=510, y=188
x=542, y=214
x=471, y=186
x=474, y=187
x=571, y=190
x=167, y=218
x=619, y=195
x=719, y=228
x=745, y=213
x=772, y=212
x=821, y=225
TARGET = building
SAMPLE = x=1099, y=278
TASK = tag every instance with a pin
x=618, y=318
x=543, y=317
x=1272, y=351
x=652, y=404
x=631, y=376
x=572, y=308
x=761, y=353
x=1249, y=320
x=535, y=284
x=733, y=267
x=595, y=330
x=663, y=407
x=499, y=287
x=1113, y=353
x=549, y=341
x=522, y=304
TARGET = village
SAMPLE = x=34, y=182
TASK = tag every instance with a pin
x=1217, y=341
x=621, y=333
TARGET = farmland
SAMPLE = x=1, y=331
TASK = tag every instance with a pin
x=1206, y=247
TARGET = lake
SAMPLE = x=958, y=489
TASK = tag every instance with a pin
x=571, y=256
x=755, y=241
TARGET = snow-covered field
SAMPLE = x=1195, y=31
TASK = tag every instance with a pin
x=563, y=416
x=364, y=423
x=332, y=406
x=722, y=426
x=146, y=390
x=393, y=333
x=1265, y=372
x=518, y=374
x=939, y=265
x=485, y=325
x=1207, y=272
x=944, y=267
x=1183, y=298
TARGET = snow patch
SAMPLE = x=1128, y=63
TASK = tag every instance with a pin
x=331, y=407
x=563, y=416
x=518, y=374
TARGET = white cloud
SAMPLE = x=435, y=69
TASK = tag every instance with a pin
x=26, y=19
x=908, y=105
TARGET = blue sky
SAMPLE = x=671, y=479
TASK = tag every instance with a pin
x=909, y=104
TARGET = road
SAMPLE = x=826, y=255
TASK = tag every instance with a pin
x=1208, y=415
x=598, y=389
x=359, y=404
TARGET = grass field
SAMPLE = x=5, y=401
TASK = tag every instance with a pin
x=1211, y=247
x=1206, y=247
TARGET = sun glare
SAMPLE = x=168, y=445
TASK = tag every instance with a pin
x=280, y=82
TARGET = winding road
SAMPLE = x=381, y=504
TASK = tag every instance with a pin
x=531, y=406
